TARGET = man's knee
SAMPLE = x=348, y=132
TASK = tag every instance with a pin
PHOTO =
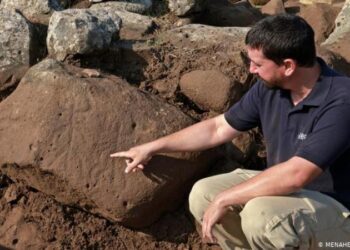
x=253, y=216
x=265, y=228
x=198, y=198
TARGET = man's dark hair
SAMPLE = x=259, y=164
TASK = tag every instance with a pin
x=284, y=36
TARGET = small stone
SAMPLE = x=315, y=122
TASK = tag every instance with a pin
x=91, y=73
x=183, y=8
x=183, y=21
x=11, y=194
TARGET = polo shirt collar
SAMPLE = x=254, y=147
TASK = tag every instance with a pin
x=321, y=89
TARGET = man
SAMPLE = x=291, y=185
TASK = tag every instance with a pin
x=303, y=108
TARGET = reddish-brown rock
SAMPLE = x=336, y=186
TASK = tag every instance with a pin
x=57, y=130
x=321, y=17
x=273, y=7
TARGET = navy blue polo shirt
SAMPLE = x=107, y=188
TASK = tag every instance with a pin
x=317, y=129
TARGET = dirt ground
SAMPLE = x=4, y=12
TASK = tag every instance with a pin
x=31, y=220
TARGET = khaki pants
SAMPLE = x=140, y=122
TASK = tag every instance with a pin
x=303, y=220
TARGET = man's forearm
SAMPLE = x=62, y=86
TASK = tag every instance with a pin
x=282, y=179
x=200, y=136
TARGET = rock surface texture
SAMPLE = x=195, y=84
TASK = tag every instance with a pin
x=204, y=35
x=202, y=47
x=57, y=131
x=321, y=17
x=16, y=39
x=273, y=7
x=210, y=90
x=79, y=31
x=186, y=7
x=134, y=7
x=131, y=21
x=228, y=14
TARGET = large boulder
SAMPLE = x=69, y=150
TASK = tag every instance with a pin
x=210, y=89
x=80, y=31
x=57, y=131
x=338, y=41
x=38, y=11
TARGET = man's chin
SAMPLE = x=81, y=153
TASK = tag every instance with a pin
x=270, y=85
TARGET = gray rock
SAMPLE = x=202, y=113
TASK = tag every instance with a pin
x=34, y=10
x=199, y=35
x=58, y=129
x=132, y=7
x=136, y=6
x=131, y=21
x=198, y=86
x=186, y=7
x=21, y=45
x=16, y=38
x=338, y=41
x=135, y=22
x=80, y=31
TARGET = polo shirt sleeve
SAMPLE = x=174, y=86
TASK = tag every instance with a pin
x=244, y=114
x=329, y=139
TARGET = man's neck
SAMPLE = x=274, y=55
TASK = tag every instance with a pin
x=302, y=82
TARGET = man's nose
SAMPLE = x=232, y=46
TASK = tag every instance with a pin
x=252, y=68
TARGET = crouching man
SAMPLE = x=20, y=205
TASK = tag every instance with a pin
x=302, y=199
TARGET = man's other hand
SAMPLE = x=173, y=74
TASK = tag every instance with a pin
x=212, y=215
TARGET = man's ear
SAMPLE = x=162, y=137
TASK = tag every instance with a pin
x=290, y=65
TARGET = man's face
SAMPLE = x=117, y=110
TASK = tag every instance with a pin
x=267, y=70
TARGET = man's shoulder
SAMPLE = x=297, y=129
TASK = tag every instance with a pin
x=340, y=89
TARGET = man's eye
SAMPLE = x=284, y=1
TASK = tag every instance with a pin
x=255, y=64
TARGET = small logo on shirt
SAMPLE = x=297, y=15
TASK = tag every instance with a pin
x=302, y=136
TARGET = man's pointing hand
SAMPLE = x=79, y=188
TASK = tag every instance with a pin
x=136, y=158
